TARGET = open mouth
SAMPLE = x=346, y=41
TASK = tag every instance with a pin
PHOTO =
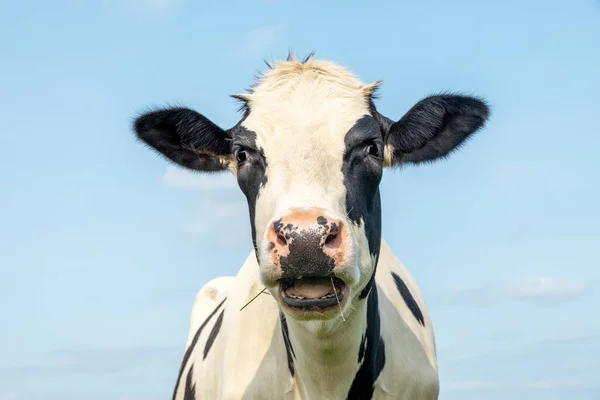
x=312, y=292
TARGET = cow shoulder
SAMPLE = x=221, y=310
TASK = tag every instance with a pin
x=407, y=328
x=205, y=326
x=247, y=352
x=208, y=297
x=253, y=363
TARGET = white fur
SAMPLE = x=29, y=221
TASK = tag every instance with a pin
x=248, y=359
x=300, y=113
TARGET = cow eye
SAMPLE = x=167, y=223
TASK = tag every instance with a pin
x=373, y=150
x=241, y=156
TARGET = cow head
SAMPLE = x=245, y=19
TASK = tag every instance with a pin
x=309, y=154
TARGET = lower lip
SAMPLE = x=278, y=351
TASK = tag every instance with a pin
x=315, y=305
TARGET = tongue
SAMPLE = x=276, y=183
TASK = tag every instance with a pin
x=311, y=289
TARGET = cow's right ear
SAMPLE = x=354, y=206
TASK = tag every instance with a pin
x=186, y=137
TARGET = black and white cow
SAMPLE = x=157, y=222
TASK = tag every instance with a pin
x=344, y=318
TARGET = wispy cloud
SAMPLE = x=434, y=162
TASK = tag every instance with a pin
x=68, y=394
x=255, y=43
x=543, y=288
x=101, y=373
x=153, y=7
x=469, y=386
x=578, y=365
x=182, y=179
x=92, y=360
x=261, y=38
x=524, y=369
x=226, y=222
x=556, y=383
x=11, y=396
x=222, y=213
x=538, y=289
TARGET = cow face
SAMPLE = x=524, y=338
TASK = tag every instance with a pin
x=309, y=155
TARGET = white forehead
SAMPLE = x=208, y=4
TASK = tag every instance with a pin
x=294, y=99
x=300, y=113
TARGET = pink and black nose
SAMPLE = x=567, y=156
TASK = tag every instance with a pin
x=307, y=242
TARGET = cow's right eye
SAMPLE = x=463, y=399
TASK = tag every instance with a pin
x=373, y=150
x=241, y=156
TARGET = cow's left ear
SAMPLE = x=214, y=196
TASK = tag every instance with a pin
x=433, y=128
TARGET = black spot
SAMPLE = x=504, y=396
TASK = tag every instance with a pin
x=367, y=289
x=409, y=300
x=321, y=220
x=251, y=175
x=190, y=349
x=361, y=349
x=334, y=228
x=270, y=246
x=213, y=334
x=373, y=354
x=190, y=388
x=277, y=225
x=362, y=175
x=288, y=344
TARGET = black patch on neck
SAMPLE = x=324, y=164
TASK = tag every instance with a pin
x=362, y=175
x=213, y=334
x=409, y=300
x=190, y=349
x=190, y=388
x=367, y=289
x=251, y=175
x=288, y=344
x=361, y=349
x=371, y=353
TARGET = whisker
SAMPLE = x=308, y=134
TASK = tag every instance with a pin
x=338, y=299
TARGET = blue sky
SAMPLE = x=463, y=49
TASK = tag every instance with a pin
x=103, y=244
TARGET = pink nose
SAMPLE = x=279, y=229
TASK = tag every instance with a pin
x=307, y=242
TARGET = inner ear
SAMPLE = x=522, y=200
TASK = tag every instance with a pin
x=187, y=138
x=433, y=128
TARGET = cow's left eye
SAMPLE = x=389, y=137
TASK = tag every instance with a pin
x=373, y=150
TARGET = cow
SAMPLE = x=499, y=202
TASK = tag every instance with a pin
x=321, y=308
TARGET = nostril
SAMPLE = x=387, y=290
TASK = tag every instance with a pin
x=333, y=240
x=281, y=240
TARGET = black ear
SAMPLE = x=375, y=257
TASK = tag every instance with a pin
x=185, y=137
x=433, y=128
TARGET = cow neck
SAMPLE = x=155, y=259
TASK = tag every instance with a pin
x=332, y=359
